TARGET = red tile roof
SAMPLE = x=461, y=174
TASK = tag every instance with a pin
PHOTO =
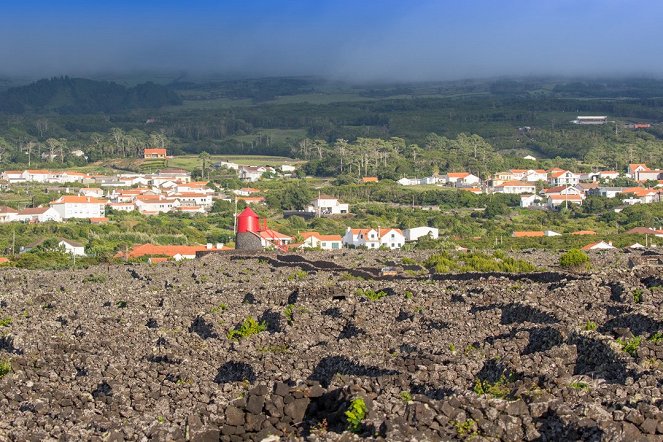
x=71, y=199
x=525, y=234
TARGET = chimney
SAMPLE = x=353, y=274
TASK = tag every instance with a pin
x=209, y=246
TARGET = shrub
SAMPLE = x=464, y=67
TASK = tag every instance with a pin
x=591, y=326
x=656, y=338
x=638, y=296
x=573, y=258
x=466, y=428
x=630, y=346
x=218, y=308
x=249, y=327
x=6, y=322
x=371, y=295
x=579, y=385
x=406, y=396
x=5, y=368
x=297, y=275
x=409, y=261
x=497, y=389
x=95, y=278
x=355, y=414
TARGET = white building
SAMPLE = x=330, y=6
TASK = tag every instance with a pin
x=38, y=215
x=7, y=214
x=251, y=174
x=590, y=119
x=227, y=165
x=122, y=207
x=563, y=178
x=374, y=239
x=328, y=205
x=601, y=245
x=70, y=206
x=95, y=192
x=193, y=199
x=415, y=233
x=153, y=204
x=530, y=200
x=515, y=187
x=72, y=247
x=461, y=178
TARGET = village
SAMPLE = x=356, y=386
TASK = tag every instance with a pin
x=170, y=190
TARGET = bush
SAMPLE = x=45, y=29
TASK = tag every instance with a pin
x=249, y=327
x=371, y=295
x=5, y=368
x=630, y=346
x=355, y=414
x=573, y=258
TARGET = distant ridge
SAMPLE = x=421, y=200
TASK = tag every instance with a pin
x=67, y=95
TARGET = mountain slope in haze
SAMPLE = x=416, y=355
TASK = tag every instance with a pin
x=78, y=95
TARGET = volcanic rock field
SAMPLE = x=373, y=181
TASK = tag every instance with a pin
x=143, y=352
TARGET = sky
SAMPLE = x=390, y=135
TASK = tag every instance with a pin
x=352, y=40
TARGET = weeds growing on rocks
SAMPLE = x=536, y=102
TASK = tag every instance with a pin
x=406, y=396
x=297, y=275
x=5, y=368
x=656, y=338
x=579, y=385
x=591, y=326
x=249, y=327
x=355, y=414
x=631, y=345
x=467, y=428
x=497, y=389
x=6, y=322
x=638, y=296
x=371, y=295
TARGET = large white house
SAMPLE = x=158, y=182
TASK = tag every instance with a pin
x=461, y=178
x=374, y=238
x=563, y=178
x=515, y=187
x=7, y=214
x=415, y=233
x=328, y=205
x=70, y=206
x=38, y=215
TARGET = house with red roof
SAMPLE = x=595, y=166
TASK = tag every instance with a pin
x=153, y=204
x=563, y=178
x=38, y=215
x=150, y=154
x=641, y=195
x=601, y=245
x=7, y=214
x=71, y=206
x=634, y=168
x=515, y=187
x=315, y=240
x=460, y=179
x=555, y=201
x=374, y=238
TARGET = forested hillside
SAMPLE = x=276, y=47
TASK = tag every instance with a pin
x=79, y=96
x=283, y=116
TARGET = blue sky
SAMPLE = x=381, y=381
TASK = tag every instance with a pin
x=359, y=40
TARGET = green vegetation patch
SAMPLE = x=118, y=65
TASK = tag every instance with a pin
x=371, y=294
x=5, y=368
x=477, y=262
x=574, y=258
x=498, y=389
x=249, y=327
x=631, y=345
x=355, y=414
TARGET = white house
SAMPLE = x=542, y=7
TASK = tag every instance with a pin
x=173, y=174
x=13, y=176
x=70, y=206
x=601, y=245
x=515, y=187
x=193, y=199
x=563, y=178
x=251, y=174
x=555, y=201
x=287, y=168
x=634, y=169
x=374, y=239
x=530, y=200
x=153, y=204
x=461, y=178
x=246, y=191
x=314, y=240
x=328, y=205
x=7, y=214
x=95, y=192
x=38, y=214
x=195, y=187
x=415, y=233
x=529, y=157
x=227, y=165
x=72, y=247
x=122, y=207
x=608, y=175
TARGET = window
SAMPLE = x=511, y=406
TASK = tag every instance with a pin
x=393, y=235
x=324, y=244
